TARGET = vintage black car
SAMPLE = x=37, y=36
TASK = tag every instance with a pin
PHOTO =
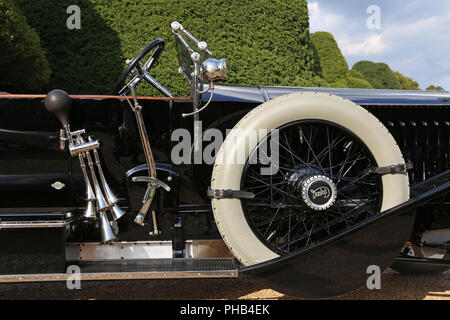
x=310, y=190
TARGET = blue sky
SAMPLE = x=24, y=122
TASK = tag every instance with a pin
x=413, y=38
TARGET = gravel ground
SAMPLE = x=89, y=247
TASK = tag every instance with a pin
x=394, y=286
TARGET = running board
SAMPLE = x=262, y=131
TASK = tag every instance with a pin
x=137, y=269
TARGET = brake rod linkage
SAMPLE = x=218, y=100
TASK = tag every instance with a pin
x=152, y=181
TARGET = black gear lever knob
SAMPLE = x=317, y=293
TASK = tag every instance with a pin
x=59, y=103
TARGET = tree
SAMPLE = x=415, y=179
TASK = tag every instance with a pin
x=406, y=83
x=331, y=61
x=355, y=74
x=332, y=65
x=23, y=64
x=260, y=48
x=435, y=88
x=379, y=75
x=353, y=82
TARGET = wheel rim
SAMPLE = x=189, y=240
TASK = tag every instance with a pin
x=320, y=189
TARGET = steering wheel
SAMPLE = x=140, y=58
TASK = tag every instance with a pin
x=136, y=69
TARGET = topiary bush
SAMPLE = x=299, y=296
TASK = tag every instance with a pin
x=407, y=83
x=316, y=81
x=379, y=75
x=332, y=63
x=23, y=64
x=434, y=88
x=265, y=42
x=353, y=82
x=341, y=83
x=355, y=74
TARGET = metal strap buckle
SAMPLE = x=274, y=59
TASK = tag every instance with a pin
x=394, y=169
x=229, y=194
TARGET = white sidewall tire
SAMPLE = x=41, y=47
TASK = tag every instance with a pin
x=228, y=213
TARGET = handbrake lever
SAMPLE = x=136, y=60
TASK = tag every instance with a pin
x=152, y=182
x=152, y=185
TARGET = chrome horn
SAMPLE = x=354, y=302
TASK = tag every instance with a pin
x=90, y=212
x=111, y=199
x=107, y=231
x=59, y=103
x=102, y=204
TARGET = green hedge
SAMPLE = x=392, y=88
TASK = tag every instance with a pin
x=355, y=74
x=407, y=83
x=353, y=82
x=265, y=42
x=379, y=75
x=332, y=65
x=332, y=62
x=434, y=88
x=23, y=65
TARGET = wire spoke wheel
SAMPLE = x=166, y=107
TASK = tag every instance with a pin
x=308, y=173
x=321, y=187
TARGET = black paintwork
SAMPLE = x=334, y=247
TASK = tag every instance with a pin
x=45, y=253
x=30, y=158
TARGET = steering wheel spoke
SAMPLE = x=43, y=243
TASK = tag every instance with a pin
x=125, y=89
x=136, y=70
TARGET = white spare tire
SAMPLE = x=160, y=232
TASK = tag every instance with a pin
x=234, y=226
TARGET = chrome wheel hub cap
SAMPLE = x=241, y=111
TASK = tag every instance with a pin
x=318, y=192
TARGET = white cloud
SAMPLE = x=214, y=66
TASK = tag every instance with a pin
x=322, y=21
x=423, y=27
x=374, y=44
x=413, y=39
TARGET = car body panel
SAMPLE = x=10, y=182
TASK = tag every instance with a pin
x=359, y=96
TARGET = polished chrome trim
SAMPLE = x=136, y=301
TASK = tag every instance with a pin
x=57, y=185
x=119, y=250
x=83, y=147
x=214, y=70
x=202, y=45
x=307, y=183
x=150, y=193
x=207, y=250
x=156, y=84
x=119, y=276
x=214, y=248
x=183, y=42
x=77, y=132
x=264, y=93
x=32, y=224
